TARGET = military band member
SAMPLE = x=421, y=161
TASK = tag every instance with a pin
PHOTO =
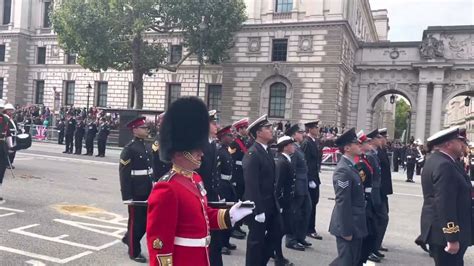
x=259, y=176
x=181, y=236
x=70, y=129
x=136, y=183
x=348, y=222
x=159, y=167
x=238, y=148
x=79, y=135
x=90, y=136
x=5, y=145
x=313, y=157
x=446, y=213
x=9, y=110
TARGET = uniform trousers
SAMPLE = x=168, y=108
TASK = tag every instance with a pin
x=69, y=143
x=89, y=145
x=381, y=216
x=215, y=248
x=314, y=194
x=348, y=252
x=300, y=216
x=442, y=258
x=262, y=239
x=3, y=160
x=101, y=143
x=410, y=170
x=11, y=156
x=227, y=193
x=78, y=144
x=135, y=230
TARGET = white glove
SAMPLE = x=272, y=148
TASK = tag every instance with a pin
x=260, y=217
x=312, y=184
x=236, y=213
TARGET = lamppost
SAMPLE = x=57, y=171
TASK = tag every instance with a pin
x=408, y=127
x=202, y=28
x=89, y=87
x=467, y=101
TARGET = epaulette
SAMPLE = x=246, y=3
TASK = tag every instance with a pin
x=167, y=177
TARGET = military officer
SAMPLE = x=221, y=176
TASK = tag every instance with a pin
x=79, y=135
x=136, y=183
x=259, y=176
x=9, y=110
x=313, y=157
x=60, y=127
x=411, y=155
x=104, y=131
x=238, y=148
x=348, y=222
x=446, y=213
x=90, y=136
x=70, y=129
x=5, y=145
x=159, y=167
x=181, y=236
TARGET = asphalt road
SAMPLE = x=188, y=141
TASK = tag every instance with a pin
x=66, y=209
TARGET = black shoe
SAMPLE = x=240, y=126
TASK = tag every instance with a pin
x=384, y=249
x=65, y=151
x=422, y=245
x=238, y=235
x=378, y=254
x=226, y=251
x=2, y=200
x=238, y=229
x=411, y=181
x=305, y=243
x=97, y=156
x=315, y=236
x=139, y=259
x=372, y=257
x=230, y=246
x=124, y=241
x=283, y=262
x=296, y=246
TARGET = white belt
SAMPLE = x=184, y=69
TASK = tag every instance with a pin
x=142, y=172
x=368, y=190
x=192, y=242
x=226, y=177
x=238, y=162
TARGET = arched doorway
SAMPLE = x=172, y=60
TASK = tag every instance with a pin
x=459, y=111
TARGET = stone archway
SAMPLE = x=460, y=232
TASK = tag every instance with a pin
x=466, y=90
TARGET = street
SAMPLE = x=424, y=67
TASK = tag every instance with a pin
x=66, y=209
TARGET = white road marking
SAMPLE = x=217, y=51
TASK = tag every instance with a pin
x=12, y=210
x=116, y=220
x=44, y=257
x=67, y=159
x=10, y=213
x=35, y=263
x=20, y=230
x=87, y=226
x=7, y=214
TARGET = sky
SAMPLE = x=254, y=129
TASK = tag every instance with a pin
x=408, y=18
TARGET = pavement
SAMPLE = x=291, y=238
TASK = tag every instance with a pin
x=66, y=209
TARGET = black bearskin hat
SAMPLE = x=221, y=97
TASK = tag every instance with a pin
x=185, y=127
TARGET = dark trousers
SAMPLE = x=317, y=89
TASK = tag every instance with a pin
x=442, y=258
x=410, y=170
x=226, y=192
x=419, y=167
x=90, y=146
x=215, y=249
x=381, y=216
x=396, y=163
x=348, y=252
x=69, y=143
x=314, y=194
x=300, y=214
x=262, y=239
x=61, y=137
x=135, y=230
x=11, y=156
x=78, y=144
x=3, y=160
x=101, y=146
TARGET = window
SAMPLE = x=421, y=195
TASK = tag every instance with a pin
x=283, y=6
x=214, y=96
x=1, y=88
x=41, y=57
x=39, y=92
x=174, y=92
x=69, y=92
x=7, y=11
x=279, y=49
x=71, y=59
x=46, y=18
x=176, y=53
x=2, y=53
x=102, y=94
x=276, y=106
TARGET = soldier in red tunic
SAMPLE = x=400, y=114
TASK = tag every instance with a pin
x=179, y=220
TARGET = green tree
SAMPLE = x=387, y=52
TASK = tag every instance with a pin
x=401, y=118
x=121, y=34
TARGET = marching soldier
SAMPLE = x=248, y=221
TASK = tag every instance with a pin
x=226, y=190
x=159, y=167
x=104, y=131
x=446, y=213
x=348, y=222
x=70, y=129
x=61, y=127
x=79, y=135
x=90, y=136
x=5, y=145
x=313, y=157
x=136, y=183
x=9, y=110
x=259, y=175
x=411, y=155
x=210, y=176
x=238, y=148
x=181, y=236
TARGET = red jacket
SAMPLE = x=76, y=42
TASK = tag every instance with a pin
x=177, y=208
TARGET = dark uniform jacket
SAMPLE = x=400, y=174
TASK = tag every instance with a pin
x=286, y=181
x=225, y=166
x=80, y=131
x=209, y=171
x=237, y=149
x=91, y=131
x=446, y=213
x=300, y=165
x=259, y=175
x=160, y=168
x=135, y=170
x=104, y=131
x=348, y=217
x=411, y=156
x=71, y=127
x=386, y=172
x=376, y=176
x=313, y=158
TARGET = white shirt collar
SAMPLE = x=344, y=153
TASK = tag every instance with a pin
x=287, y=156
x=263, y=145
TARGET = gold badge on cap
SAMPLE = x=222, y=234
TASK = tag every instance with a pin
x=157, y=244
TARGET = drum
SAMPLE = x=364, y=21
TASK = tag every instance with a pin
x=23, y=142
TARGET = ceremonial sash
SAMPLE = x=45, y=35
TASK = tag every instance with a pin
x=241, y=145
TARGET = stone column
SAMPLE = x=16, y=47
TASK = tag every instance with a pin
x=362, y=107
x=421, y=112
x=436, y=108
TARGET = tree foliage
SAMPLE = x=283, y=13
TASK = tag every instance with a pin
x=401, y=118
x=128, y=34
